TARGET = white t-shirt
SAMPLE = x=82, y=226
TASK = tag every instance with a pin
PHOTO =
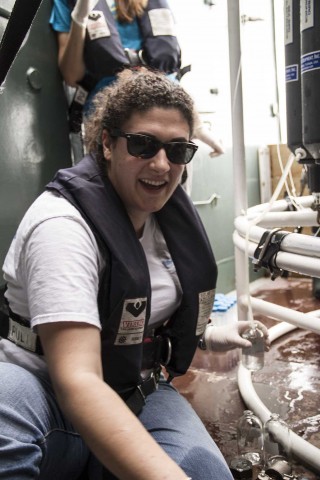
x=53, y=269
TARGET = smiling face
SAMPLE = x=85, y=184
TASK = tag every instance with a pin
x=145, y=185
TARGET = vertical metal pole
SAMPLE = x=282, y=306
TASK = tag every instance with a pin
x=239, y=164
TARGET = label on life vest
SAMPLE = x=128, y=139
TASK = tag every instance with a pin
x=206, y=300
x=132, y=322
x=162, y=23
x=80, y=95
x=97, y=25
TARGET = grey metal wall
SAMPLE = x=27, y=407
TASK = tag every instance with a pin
x=34, y=139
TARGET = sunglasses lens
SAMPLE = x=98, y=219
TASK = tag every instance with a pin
x=142, y=146
x=180, y=153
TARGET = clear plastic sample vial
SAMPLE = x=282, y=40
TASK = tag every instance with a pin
x=250, y=438
x=253, y=357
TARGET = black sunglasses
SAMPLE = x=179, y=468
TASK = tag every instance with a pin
x=146, y=146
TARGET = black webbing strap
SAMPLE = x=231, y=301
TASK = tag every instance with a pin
x=182, y=71
x=12, y=324
x=137, y=399
x=20, y=20
x=5, y=319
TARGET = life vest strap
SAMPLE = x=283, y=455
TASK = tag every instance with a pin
x=17, y=329
x=137, y=398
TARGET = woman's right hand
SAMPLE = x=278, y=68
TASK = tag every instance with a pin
x=81, y=12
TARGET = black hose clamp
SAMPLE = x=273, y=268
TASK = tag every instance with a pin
x=267, y=250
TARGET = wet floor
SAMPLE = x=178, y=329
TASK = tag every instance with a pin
x=289, y=383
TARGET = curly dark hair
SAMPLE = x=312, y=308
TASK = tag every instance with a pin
x=134, y=91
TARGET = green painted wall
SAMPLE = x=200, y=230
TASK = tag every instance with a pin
x=215, y=175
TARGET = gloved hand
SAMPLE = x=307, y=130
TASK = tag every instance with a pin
x=81, y=11
x=227, y=337
x=206, y=136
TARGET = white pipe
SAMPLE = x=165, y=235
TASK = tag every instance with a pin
x=301, y=244
x=280, y=329
x=280, y=205
x=300, y=448
x=304, y=265
x=239, y=160
x=302, y=218
x=240, y=272
x=299, y=264
x=308, y=321
x=292, y=243
x=240, y=243
x=239, y=164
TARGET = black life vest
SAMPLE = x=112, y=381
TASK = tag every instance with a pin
x=160, y=51
x=105, y=56
x=124, y=294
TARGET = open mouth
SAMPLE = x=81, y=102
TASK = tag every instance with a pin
x=153, y=184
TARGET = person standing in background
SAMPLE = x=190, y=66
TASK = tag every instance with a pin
x=97, y=39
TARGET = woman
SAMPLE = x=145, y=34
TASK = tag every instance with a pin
x=130, y=33
x=110, y=276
